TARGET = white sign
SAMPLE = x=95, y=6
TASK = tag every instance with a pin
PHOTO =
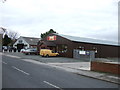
x=82, y=52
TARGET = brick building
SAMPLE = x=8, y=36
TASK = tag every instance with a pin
x=65, y=45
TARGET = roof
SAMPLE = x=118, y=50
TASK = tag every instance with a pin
x=88, y=40
x=31, y=40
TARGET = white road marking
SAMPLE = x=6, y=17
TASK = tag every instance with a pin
x=4, y=62
x=52, y=85
x=20, y=70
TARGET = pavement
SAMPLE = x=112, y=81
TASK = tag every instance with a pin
x=81, y=70
x=74, y=66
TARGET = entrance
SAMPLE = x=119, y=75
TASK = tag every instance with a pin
x=19, y=47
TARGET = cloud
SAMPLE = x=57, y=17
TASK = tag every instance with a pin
x=87, y=18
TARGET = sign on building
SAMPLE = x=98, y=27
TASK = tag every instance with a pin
x=51, y=38
x=82, y=52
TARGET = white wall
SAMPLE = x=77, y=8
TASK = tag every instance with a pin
x=24, y=42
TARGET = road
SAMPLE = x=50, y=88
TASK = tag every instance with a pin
x=18, y=73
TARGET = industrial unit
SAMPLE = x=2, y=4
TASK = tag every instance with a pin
x=65, y=45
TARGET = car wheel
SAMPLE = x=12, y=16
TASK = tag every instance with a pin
x=26, y=53
x=57, y=55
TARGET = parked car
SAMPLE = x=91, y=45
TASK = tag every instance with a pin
x=30, y=51
x=22, y=50
x=47, y=53
x=5, y=48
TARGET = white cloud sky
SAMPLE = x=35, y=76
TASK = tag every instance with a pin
x=83, y=18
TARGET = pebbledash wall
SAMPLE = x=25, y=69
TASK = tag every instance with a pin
x=65, y=44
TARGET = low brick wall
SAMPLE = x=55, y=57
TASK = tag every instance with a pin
x=105, y=67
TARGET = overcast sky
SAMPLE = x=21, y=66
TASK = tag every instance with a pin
x=83, y=18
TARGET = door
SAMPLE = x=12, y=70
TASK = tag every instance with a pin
x=19, y=47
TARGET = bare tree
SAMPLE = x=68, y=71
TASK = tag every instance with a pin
x=13, y=34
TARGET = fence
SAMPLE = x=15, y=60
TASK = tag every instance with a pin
x=83, y=55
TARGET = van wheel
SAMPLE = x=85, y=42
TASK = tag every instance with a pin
x=57, y=55
x=47, y=55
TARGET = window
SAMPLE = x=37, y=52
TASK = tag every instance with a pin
x=20, y=41
x=81, y=48
x=31, y=39
x=62, y=48
x=95, y=49
x=53, y=51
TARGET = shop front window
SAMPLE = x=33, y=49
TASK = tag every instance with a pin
x=62, y=48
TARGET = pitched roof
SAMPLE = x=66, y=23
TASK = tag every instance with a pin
x=88, y=40
x=31, y=40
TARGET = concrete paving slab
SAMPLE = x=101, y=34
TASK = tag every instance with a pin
x=76, y=65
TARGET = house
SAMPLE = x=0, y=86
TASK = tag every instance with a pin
x=65, y=45
x=26, y=42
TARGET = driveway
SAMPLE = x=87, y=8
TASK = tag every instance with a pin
x=56, y=61
x=46, y=59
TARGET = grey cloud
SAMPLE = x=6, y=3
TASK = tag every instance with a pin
x=79, y=20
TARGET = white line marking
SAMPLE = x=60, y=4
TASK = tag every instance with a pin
x=21, y=70
x=52, y=85
x=4, y=62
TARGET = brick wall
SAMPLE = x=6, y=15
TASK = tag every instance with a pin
x=105, y=67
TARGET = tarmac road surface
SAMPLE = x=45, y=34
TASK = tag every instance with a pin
x=21, y=74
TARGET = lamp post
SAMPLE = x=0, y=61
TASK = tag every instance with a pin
x=2, y=31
